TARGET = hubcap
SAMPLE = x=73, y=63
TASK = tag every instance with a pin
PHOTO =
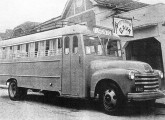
x=110, y=99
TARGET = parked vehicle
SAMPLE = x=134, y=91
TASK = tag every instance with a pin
x=75, y=61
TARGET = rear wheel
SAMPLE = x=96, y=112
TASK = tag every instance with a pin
x=111, y=99
x=16, y=93
x=13, y=90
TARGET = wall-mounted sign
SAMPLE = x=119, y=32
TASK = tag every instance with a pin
x=102, y=31
x=123, y=27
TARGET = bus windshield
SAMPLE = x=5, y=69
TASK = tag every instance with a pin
x=112, y=47
x=93, y=45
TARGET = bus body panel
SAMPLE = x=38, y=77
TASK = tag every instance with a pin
x=37, y=73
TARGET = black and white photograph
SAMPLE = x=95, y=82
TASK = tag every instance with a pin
x=82, y=60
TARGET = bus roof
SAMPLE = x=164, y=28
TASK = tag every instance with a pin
x=51, y=34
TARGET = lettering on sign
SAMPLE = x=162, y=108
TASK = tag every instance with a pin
x=123, y=27
x=102, y=31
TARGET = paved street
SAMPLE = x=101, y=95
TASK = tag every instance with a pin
x=36, y=107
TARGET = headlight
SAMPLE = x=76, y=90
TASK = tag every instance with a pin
x=160, y=74
x=131, y=75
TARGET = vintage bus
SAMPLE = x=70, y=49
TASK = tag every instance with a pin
x=75, y=61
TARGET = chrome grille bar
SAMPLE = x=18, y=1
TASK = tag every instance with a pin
x=145, y=83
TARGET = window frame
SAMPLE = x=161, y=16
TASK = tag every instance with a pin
x=67, y=45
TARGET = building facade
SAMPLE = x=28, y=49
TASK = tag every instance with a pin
x=146, y=44
x=148, y=41
x=90, y=12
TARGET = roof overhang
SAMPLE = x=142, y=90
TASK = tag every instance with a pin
x=147, y=25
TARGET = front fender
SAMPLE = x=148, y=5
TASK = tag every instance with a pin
x=119, y=76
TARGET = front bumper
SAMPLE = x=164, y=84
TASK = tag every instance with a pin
x=146, y=95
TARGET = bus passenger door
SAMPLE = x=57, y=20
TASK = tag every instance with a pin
x=72, y=73
x=76, y=66
x=66, y=66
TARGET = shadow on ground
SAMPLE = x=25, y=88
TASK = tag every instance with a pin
x=76, y=105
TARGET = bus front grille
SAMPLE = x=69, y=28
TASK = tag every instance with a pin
x=146, y=83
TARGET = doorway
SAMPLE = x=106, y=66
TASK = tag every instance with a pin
x=146, y=50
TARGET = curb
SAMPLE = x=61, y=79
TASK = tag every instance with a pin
x=3, y=86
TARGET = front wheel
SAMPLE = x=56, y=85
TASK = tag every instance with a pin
x=111, y=99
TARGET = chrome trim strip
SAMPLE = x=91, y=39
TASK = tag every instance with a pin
x=31, y=76
x=155, y=86
x=146, y=75
x=146, y=79
x=139, y=83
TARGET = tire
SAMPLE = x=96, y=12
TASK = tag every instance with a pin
x=111, y=99
x=13, y=90
x=16, y=93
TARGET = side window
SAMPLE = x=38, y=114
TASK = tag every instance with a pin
x=3, y=52
x=114, y=48
x=27, y=49
x=59, y=46
x=52, y=47
x=23, y=50
x=14, y=51
x=18, y=48
x=41, y=48
x=47, y=48
x=32, y=49
x=11, y=52
x=75, y=45
x=36, y=49
x=7, y=52
x=66, y=45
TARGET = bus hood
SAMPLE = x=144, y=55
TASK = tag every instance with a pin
x=121, y=64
